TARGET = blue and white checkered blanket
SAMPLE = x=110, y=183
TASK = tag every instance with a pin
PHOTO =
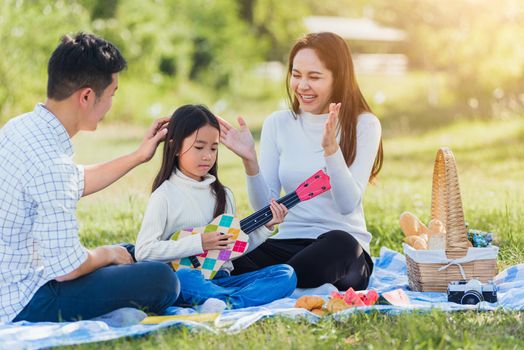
x=389, y=274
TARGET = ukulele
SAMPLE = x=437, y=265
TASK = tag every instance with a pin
x=211, y=261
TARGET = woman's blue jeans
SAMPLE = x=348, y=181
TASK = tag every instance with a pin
x=149, y=286
x=248, y=289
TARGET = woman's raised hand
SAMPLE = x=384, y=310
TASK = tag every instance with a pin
x=329, y=140
x=240, y=140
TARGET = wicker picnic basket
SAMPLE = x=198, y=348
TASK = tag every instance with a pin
x=433, y=270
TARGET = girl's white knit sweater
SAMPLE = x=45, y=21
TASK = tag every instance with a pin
x=179, y=203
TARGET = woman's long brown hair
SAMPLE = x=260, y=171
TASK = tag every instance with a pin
x=184, y=122
x=334, y=52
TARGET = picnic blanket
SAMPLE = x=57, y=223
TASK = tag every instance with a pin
x=389, y=274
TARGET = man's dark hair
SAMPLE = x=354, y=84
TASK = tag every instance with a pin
x=85, y=60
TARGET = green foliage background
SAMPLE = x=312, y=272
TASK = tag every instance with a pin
x=178, y=51
x=205, y=50
x=475, y=42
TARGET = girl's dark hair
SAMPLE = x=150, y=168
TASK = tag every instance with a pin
x=184, y=122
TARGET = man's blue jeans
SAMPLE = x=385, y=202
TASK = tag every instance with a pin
x=149, y=286
x=248, y=289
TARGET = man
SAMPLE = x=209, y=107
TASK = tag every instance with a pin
x=45, y=272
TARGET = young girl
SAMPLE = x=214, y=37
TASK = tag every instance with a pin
x=188, y=193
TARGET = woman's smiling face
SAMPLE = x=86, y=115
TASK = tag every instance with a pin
x=311, y=82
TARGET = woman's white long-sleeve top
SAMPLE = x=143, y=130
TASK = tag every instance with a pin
x=291, y=151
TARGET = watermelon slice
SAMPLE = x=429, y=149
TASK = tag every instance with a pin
x=395, y=297
x=370, y=298
x=336, y=295
x=353, y=299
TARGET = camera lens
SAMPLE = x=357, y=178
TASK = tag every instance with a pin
x=471, y=297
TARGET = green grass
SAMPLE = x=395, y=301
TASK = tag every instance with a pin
x=489, y=155
x=434, y=330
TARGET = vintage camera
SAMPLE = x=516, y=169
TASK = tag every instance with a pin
x=471, y=292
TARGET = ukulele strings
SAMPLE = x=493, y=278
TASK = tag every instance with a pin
x=263, y=218
x=260, y=218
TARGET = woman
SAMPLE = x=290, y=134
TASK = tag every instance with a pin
x=330, y=126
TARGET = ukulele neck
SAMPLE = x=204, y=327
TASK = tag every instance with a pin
x=263, y=216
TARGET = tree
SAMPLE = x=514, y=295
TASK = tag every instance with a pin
x=475, y=42
x=275, y=24
x=28, y=33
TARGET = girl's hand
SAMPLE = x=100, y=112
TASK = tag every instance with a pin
x=240, y=140
x=215, y=241
x=279, y=212
x=118, y=255
x=329, y=141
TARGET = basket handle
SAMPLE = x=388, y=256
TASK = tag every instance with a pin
x=446, y=204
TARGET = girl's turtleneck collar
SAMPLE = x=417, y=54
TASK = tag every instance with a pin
x=178, y=177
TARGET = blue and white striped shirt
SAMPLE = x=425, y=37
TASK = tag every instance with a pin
x=39, y=190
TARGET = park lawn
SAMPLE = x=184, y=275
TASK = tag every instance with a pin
x=490, y=158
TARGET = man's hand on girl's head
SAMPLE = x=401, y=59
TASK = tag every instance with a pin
x=154, y=135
